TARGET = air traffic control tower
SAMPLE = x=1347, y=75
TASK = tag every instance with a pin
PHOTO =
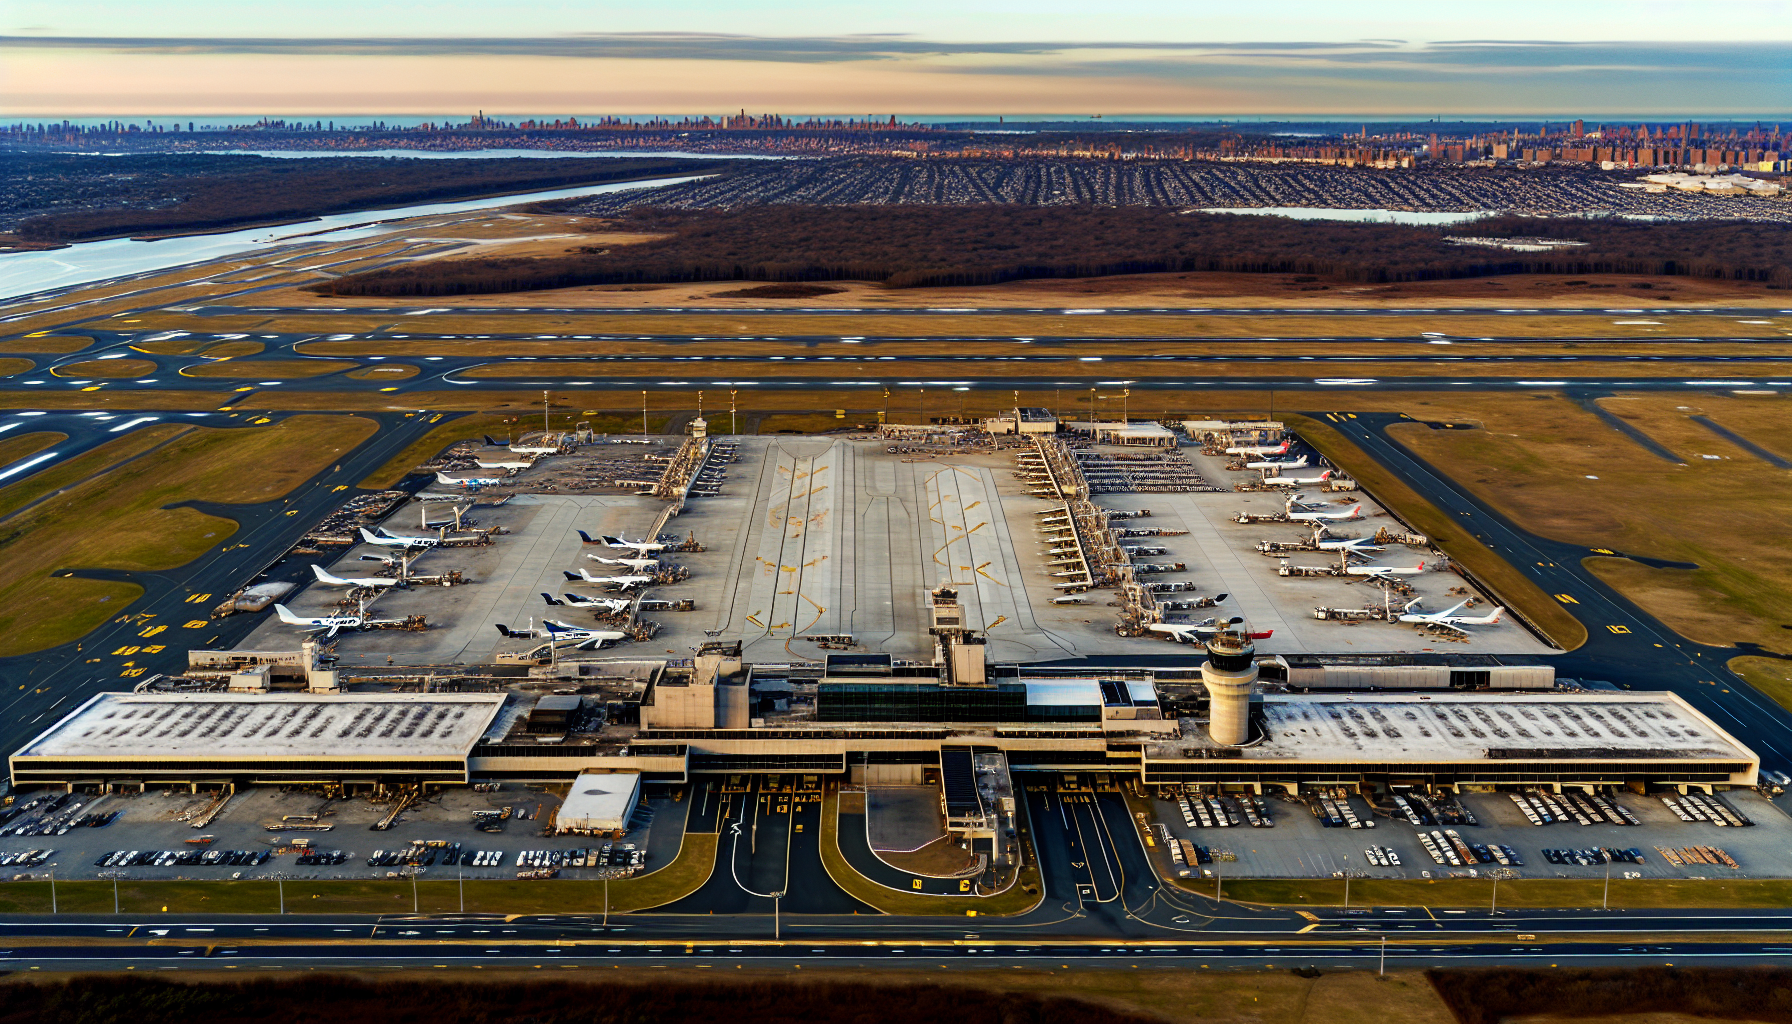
x=1230, y=674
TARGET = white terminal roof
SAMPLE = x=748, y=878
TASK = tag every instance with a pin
x=1464, y=727
x=599, y=801
x=203, y=726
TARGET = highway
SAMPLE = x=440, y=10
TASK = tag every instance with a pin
x=809, y=309
x=1623, y=641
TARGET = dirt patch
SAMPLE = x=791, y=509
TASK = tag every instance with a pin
x=11, y=366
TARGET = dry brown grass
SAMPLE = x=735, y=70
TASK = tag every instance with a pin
x=113, y=399
x=23, y=446
x=984, y=326
x=10, y=366
x=387, y=372
x=261, y=368
x=1533, y=463
x=111, y=369
x=54, y=345
x=40, y=609
x=1771, y=676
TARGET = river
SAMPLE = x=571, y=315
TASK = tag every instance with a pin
x=25, y=273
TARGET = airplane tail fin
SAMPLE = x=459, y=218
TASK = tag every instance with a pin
x=1495, y=617
x=367, y=535
x=504, y=630
x=1327, y=475
x=615, y=542
x=286, y=615
x=571, y=575
x=551, y=599
x=586, y=537
x=490, y=442
x=322, y=576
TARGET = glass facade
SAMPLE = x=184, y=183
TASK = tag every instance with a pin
x=935, y=702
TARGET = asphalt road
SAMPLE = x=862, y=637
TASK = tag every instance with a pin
x=812, y=310
x=1624, y=643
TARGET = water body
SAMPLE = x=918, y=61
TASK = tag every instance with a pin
x=86, y=262
x=1369, y=216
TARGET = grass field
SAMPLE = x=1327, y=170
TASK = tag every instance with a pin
x=107, y=369
x=112, y=398
x=1519, y=592
x=20, y=446
x=1771, y=676
x=1518, y=892
x=39, y=608
x=391, y=372
x=49, y=344
x=261, y=369
x=998, y=326
x=1560, y=472
x=12, y=365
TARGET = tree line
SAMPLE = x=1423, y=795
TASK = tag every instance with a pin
x=929, y=246
x=161, y=194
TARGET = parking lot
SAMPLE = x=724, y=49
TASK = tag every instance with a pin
x=334, y=838
x=1300, y=845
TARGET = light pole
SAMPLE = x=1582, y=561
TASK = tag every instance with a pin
x=643, y=414
x=52, y=891
x=544, y=412
x=279, y=883
x=1494, y=910
x=1383, y=969
x=460, y=881
x=734, y=391
x=606, y=901
x=1347, y=884
x=114, y=895
x=886, y=417
x=1605, y=898
x=777, y=923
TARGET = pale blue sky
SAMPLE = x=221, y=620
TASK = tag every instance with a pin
x=1650, y=57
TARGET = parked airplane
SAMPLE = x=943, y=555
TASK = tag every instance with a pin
x=1280, y=449
x=645, y=547
x=351, y=581
x=637, y=564
x=1298, y=481
x=467, y=481
x=1299, y=463
x=620, y=582
x=613, y=605
x=388, y=540
x=556, y=632
x=1351, y=545
x=330, y=624
x=1385, y=572
x=1070, y=599
x=501, y=463
x=526, y=449
x=1192, y=632
x=1314, y=516
x=1449, y=619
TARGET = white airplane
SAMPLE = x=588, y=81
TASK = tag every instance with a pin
x=613, y=605
x=1314, y=515
x=1448, y=618
x=523, y=449
x=1350, y=546
x=1385, y=572
x=1280, y=449
x=1190, y=632
x=637, y=564
x=468, y=481
x=351, y=581
x=554, y=632
x=387, y=540
x=645, y=547
x=620, y=582
x=331, y=624
x=454, y=515
x=1070, y=599
x=502, y=463
x=1272, y=464
x=1298, y=481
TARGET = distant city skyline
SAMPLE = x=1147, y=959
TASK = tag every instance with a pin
x=1286, y=58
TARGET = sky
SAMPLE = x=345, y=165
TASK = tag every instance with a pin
x=1441, y=58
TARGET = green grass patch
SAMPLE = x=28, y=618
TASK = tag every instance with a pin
x=1513, y=587
x=40, y=608
x=1772, y=676
x=23, y=446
